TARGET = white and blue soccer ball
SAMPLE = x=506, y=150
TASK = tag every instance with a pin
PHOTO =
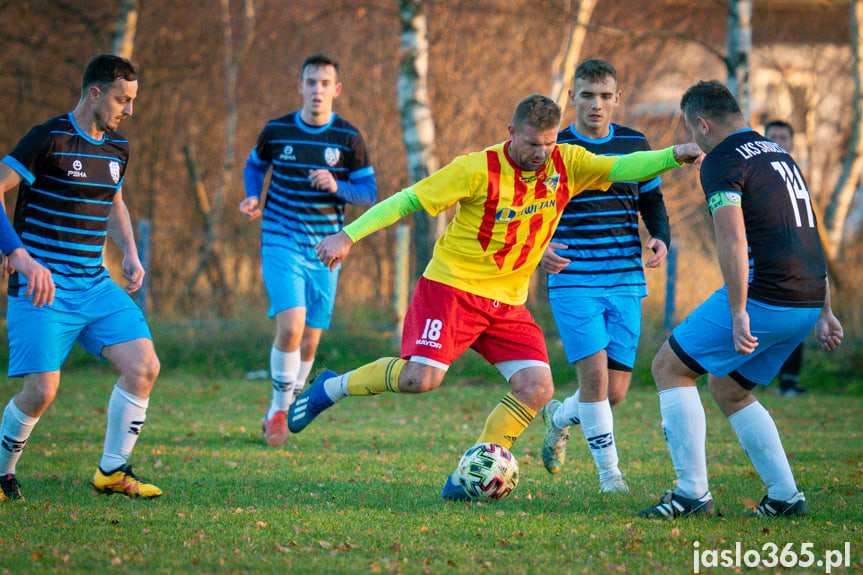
x=488, y=471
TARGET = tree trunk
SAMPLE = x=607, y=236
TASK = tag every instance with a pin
x=739, y=48
x=566, y=61
x=123, y=43
x=836, y=214
x=418, y=130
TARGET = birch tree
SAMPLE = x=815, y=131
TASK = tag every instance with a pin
x=418, y=132
x=123, y=43
x=739, y=36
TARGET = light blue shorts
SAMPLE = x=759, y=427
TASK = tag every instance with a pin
x=704, y=341
x=40, y=338
x=589, y=324
x=292, y=281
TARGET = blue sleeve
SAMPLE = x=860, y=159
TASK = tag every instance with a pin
x=361, y=189
x=9, y=240
x=254, y=174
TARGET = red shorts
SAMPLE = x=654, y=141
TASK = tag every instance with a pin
x=442, y=322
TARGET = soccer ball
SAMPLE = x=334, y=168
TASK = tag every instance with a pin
x=488, y=471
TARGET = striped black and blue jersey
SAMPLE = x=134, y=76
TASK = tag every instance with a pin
x=69, y=181
x=600, y=229
x=296, y=215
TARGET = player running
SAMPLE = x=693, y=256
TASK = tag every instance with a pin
x=509, y=198
x=320, y=164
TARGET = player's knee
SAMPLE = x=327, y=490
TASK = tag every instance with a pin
x=419, y=381
x=144, y=371
x=615, y=397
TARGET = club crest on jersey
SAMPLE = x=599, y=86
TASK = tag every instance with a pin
x=77, y=170
x=115, y=171
x=331, y=156
x=287, y=154
x=552, y=183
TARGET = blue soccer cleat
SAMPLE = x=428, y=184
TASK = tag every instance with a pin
x=310, y=403
x=452, y=491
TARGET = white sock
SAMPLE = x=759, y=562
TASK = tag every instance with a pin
x=759, y=437
x=284, y=366
x=568, y=413
x=597, y=422
x=15, y=429
x=126, y=415
x=337, y=387
x=685, y=428
x=303, y=375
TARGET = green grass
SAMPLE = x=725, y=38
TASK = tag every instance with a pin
x=358, y=492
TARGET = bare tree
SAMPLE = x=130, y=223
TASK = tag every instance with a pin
x=212, y=212
x=563, y=68
x=847, y=187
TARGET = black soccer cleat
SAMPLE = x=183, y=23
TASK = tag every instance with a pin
x=672, y=505
x=794, y=507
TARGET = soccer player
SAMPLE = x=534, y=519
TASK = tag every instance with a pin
x=596, y=280
x=509, y=198
x=789, y=374
x=69, y=172
x=775, y=292
x=320, y=164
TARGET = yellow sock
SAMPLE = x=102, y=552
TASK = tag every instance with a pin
x=376, y=377
x=506, y=422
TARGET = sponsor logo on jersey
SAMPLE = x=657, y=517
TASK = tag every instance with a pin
x=77, y=170
x=287, y=154
x=433, y=344
x=114, y=167
x=506, y=215
x=331, y=156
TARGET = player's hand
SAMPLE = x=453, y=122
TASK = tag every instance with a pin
x=6, y=267
x=323, y=180
x=249, y=207
x=40, y=283
x=551, y=262
x=828, y=332
x=134, y=272
x=688, y=154
x=332, y=250
x=744, y=342
x=660, y=252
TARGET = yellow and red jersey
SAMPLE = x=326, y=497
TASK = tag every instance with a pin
x=504, y=216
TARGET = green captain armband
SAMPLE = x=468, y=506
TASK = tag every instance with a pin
x=719, y=199
x=642, y=166
x=383, y=214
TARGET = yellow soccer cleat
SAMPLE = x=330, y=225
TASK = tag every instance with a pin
x=124, y=482
x=9, y=488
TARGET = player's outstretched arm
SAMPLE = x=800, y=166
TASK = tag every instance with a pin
x=641, y=166
x=333, y=251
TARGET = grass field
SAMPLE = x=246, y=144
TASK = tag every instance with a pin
x=358, y=492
